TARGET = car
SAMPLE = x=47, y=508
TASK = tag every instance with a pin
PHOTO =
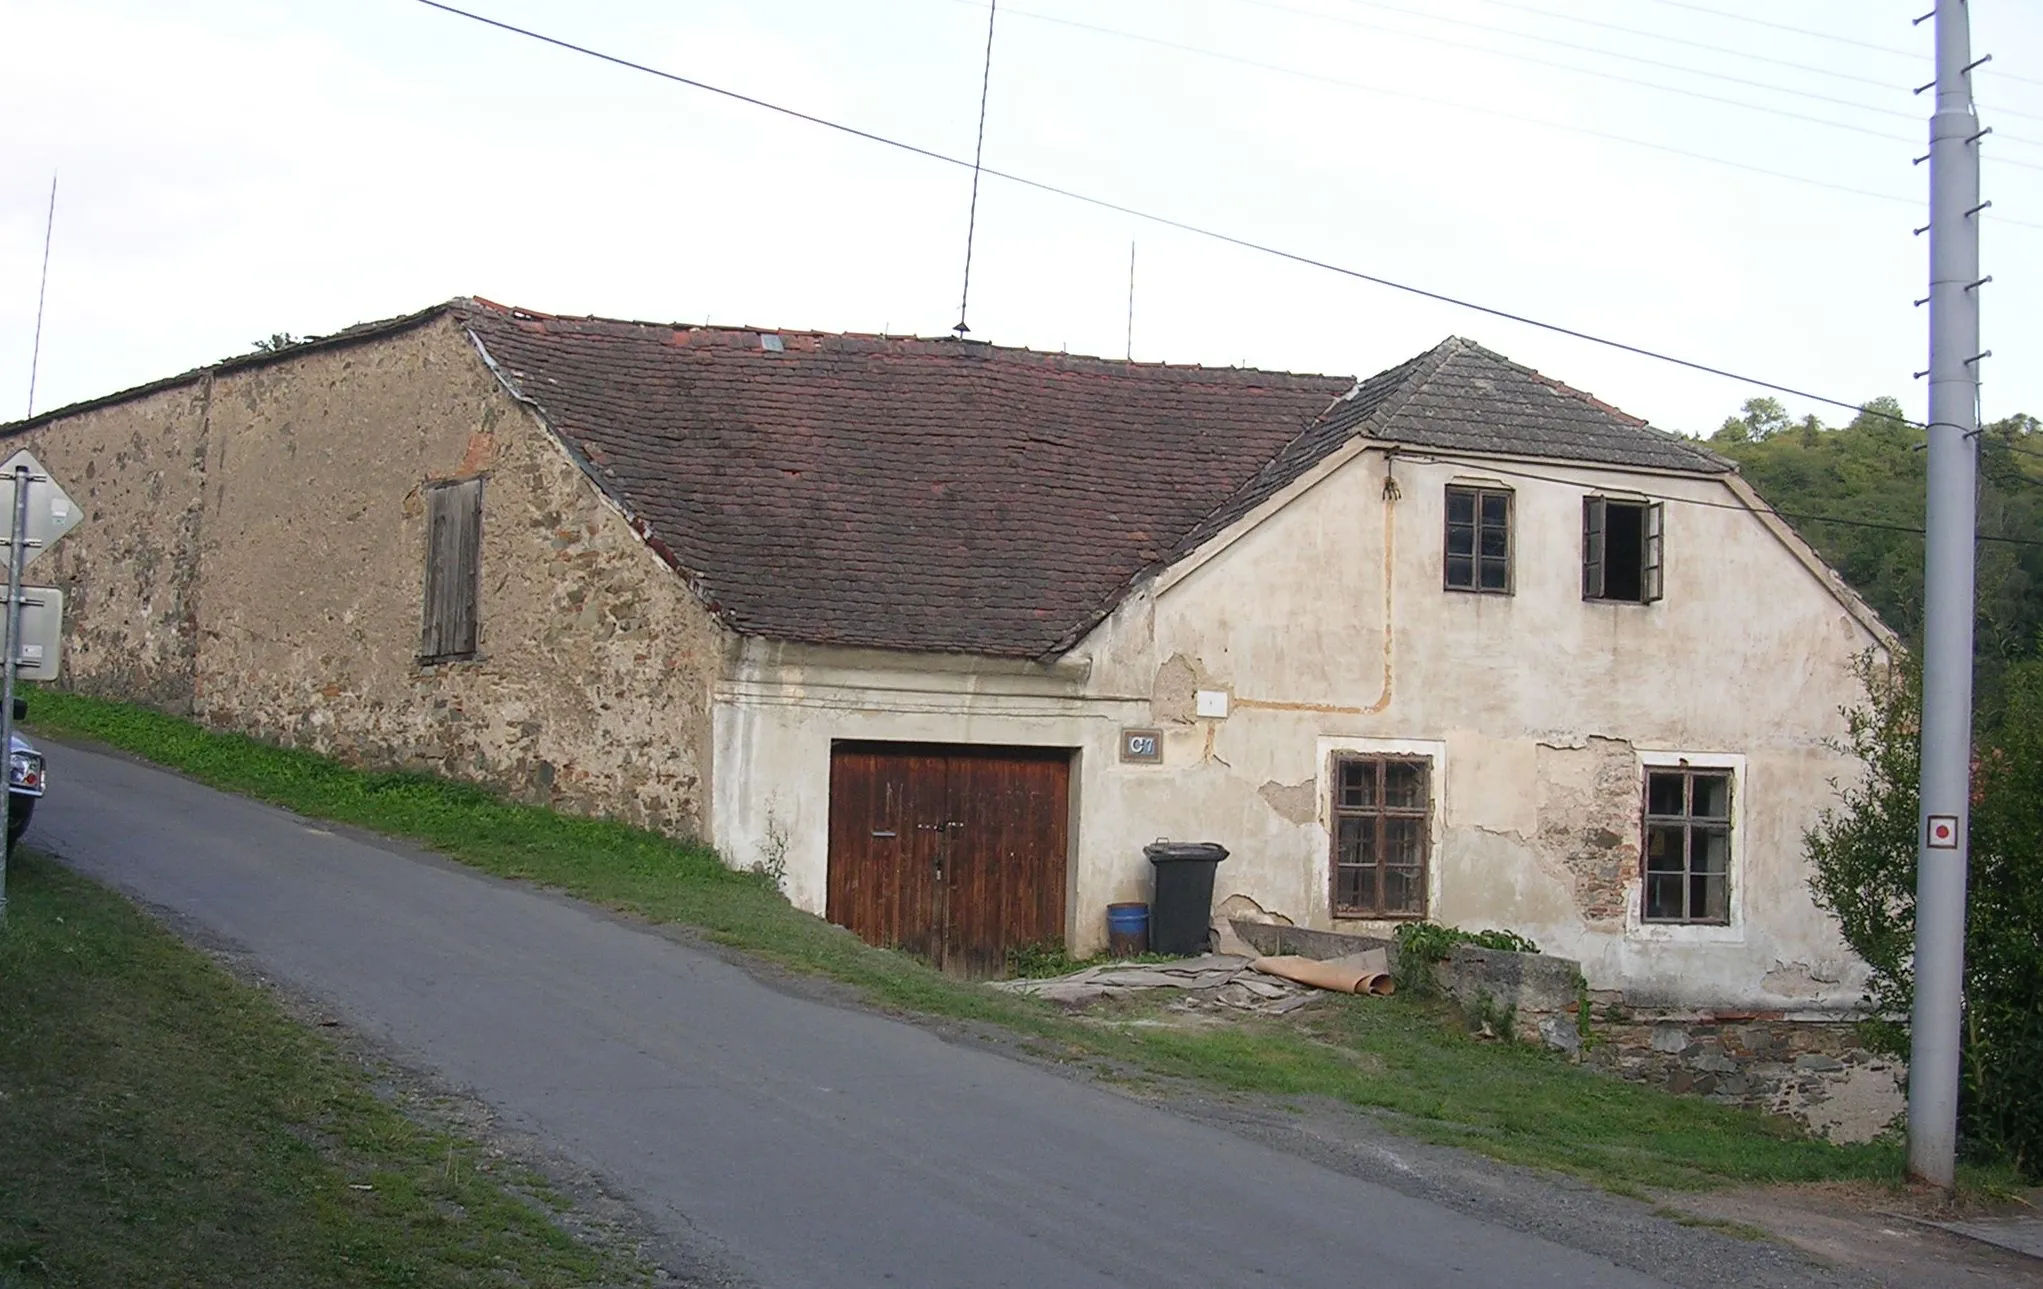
x=25, y=781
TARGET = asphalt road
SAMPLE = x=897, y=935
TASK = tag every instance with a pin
x=795, y=1142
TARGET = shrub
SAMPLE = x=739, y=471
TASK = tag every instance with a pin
x=1863, y=854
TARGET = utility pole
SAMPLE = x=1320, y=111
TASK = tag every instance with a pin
x=1944, y=841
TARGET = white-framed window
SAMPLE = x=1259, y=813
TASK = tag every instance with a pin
x=1690, y=883
x=1381, y=801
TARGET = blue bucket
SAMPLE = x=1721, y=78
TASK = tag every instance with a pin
x=1127, y=929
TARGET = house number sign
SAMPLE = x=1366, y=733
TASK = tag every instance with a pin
x=1144, y=747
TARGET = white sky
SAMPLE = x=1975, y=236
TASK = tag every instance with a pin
x=233, y=168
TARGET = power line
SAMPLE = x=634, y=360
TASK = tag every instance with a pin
x=1303, y=74
x=1822, y=35
x=1889, y=86
x=1522, y=118
x=1810, y=68
x=1601, y=75
x=1580, y=48
x=1799, y=31
x=1165, y=221
x=1806, y=68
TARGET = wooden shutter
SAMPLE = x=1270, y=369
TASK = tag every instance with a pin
x=1649, y=580
x=453, y=569
x=1592, y=548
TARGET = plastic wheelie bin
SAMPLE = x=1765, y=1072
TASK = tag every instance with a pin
x=1181, y=912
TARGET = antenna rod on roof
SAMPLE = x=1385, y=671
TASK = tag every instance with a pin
x=1130, y=354
x=35, y=355
x=978, y=150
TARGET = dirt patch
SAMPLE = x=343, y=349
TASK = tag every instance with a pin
x=1884, y=1232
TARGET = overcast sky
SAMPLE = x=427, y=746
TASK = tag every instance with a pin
x=233, y=168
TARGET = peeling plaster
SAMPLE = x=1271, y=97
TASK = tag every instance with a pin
x=1588, y=817
x=1174, y=697
x=1297, y=802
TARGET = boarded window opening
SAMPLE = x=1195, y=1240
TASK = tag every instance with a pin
x=1621, y=550
x=453, y=570
x=1383, y=809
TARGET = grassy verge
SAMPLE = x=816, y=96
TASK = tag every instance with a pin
x=1398, y=1055
x=162, y=1124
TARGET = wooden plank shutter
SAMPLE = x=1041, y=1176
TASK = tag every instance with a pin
x=1649, y=582
x=453, y=569
x=1592, y=548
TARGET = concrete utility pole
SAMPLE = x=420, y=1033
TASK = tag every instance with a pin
x=1944, y=841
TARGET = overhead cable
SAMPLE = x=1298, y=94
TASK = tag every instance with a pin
x=1164, y=221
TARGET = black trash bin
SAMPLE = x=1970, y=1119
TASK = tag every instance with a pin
x=1181, y=914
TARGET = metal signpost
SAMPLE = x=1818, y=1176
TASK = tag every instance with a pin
x=39, y=512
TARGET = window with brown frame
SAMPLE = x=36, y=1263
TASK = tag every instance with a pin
x=1688, y=846
x=1382, y=819
x=1621, y=549
x=1478, y=540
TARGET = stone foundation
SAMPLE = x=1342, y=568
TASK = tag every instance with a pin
x=1810, y=1069
x=1813, y=1070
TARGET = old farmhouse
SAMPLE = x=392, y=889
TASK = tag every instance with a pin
x=945, y=632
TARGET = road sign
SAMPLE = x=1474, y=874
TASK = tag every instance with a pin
x=51, y=512
x=42, y=633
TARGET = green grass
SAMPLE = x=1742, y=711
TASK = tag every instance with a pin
x=1403, y=1056
x=163, y=1124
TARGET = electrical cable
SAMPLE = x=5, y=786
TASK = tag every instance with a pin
x=1522, y=118
x=1514, y=33
x=1165, y=221
x=1539, y=62
x=1565, y=127
x=1809, y=68
x=1821, y=35
x=1598, y=50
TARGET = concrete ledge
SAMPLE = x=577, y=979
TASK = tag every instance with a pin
x=1273, y=940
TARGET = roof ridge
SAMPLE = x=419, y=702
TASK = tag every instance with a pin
x=940, y=343
x=1562, y=387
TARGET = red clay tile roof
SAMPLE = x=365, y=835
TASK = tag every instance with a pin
x=899, y=493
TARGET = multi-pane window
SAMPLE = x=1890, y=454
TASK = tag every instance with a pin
x=453, y=571
x=1479, y=540
x=1621, y=549
x=1382, y=813
x=1688, y=846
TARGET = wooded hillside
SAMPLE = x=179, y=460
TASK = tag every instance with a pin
x=1856, y=492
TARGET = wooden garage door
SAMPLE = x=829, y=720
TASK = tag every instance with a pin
x=955, y=853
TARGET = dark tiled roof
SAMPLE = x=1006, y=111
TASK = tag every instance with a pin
x=900, y=493
x=939, y=495
x=1473, y=400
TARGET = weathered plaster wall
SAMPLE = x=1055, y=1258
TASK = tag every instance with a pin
x=299, y=562
x=1538, y=711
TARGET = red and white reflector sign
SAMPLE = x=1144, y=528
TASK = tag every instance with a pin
x=1943, y=832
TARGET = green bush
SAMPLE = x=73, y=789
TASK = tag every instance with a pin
x=1431, y=942
x=1864, y=854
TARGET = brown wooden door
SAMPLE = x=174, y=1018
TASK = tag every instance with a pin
x=951, y=852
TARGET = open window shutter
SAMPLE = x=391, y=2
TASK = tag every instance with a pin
x=453, y=569
x=1592, y=548
x=1649, y=581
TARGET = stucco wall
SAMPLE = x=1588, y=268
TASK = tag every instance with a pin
x=276, y=588
x=1539, y=712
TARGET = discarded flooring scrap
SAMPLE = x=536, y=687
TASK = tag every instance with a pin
x=1269, y=986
